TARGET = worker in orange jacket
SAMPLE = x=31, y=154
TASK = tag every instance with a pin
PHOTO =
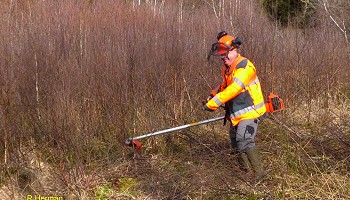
x=241, y=94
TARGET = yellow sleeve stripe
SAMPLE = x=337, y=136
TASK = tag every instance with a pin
x=239, y=82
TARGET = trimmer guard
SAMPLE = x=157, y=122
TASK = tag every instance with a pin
x=133, y=143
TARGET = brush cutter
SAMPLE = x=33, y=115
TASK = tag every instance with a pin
x=274, y=104
x=133, y=141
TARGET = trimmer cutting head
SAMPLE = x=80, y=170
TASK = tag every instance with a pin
x=133, y=143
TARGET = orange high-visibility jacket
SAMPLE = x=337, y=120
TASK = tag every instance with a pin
x=240, y=91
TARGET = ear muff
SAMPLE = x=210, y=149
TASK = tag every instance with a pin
x=236, y=43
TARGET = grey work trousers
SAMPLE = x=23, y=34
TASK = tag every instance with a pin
x=242, y=135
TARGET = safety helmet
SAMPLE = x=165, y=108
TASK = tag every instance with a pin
x=225, y=44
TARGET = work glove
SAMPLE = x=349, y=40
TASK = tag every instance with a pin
x=206, y=108
x=206, y=101
x=208, y=98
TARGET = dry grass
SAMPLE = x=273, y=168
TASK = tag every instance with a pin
x=79, y=77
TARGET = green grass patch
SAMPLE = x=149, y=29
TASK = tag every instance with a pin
x=127, y=185
x=103, y=192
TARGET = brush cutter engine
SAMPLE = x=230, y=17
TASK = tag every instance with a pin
x=274, y=103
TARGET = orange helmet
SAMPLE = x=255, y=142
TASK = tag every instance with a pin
x=225, y=44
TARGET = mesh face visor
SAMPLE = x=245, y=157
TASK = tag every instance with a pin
x=219, y=49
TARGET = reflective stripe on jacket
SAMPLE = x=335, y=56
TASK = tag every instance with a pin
x=240, y=91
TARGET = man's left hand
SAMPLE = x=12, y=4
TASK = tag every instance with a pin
x=205, y=107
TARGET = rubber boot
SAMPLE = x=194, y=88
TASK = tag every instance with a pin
x=243, y=162
x=253, y=156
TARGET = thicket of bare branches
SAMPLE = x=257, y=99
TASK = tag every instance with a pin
x=79, y=77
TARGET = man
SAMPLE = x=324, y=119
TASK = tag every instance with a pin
x=241, y=93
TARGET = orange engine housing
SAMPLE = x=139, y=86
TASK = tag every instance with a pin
x=274, y=103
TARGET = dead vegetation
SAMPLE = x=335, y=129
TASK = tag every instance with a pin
x=79, y=77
